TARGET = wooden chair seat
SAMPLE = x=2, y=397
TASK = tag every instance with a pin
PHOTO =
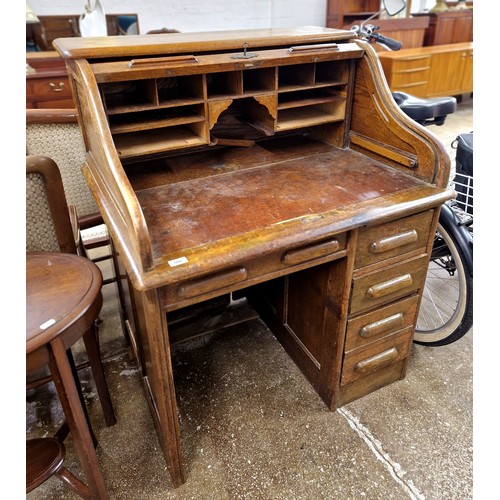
x=44, y=459
x=63, y=301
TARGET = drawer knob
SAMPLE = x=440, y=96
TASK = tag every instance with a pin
x=311, y=252
x=382, y=325
x=388, y=287
x=392, y=242
x=60, y=88
x=379, y=360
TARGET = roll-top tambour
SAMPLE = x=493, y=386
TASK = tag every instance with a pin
x=212, y=282
x=310, y=252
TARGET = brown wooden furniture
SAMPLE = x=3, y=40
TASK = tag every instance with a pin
x=267, y=164
x=47, y=84
x=452, y=26
x=55, y=133
x=345, y=13
x=409, y=31
x=43, y=33
x=53, y=226
x=442, y=70
x=44, y=459
x=63, y=300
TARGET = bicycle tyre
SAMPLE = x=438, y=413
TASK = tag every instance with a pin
x=446, y=309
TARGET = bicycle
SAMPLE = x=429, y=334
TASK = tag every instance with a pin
x=446, y=310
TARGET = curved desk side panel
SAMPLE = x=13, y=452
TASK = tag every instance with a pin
x=380, y=129
x=104, y=172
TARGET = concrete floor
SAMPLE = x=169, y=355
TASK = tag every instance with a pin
x=253, y=428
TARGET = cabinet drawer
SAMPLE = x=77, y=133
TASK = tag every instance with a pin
x=387, y=320
x=55, y=104
x=421, y=62
x=413, y=78
x=393, y=238
x=388, y=284
x=50, y=88
x=367, y=361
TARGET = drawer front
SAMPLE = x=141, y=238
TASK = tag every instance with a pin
x=422, y=62
x=418, y=89
x=393, y=238
x=255, y=271
x=413, y=78
x=55, y=104
x=388, y=284
x=367, y=361
x=376, y=325
x=49, y=88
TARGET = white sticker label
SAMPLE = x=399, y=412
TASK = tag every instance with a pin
x=48, y=323
x=177, y=262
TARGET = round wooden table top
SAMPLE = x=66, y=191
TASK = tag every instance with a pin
x=60, y=289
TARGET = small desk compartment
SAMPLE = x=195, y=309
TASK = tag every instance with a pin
x=311, y=94
x=155, y=115
x=167, y=113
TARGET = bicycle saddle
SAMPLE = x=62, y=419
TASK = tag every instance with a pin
x=432, y=111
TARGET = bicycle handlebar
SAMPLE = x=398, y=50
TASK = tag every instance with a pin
x=370, y=34
x=385, y=40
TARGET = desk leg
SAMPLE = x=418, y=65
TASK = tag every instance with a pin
x=70, y=401
x=94, y=356
x=161, y=383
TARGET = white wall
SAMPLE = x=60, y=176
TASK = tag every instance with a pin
x=201, y=15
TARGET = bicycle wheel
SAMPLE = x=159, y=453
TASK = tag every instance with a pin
x=446, y=308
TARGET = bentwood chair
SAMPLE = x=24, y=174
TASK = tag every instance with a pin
x=55, y=133
x=66, y=287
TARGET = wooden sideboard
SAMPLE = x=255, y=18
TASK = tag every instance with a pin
x=269, y=164
x=430, y=71
x=452, y=26
x=47, y=84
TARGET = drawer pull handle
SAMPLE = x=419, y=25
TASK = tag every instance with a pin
x=311, y=252
x=213, y=282
x=382, y=325
x=377, y=361
x=57, y=89
x=392, y=242
x=388, y=287
x=153, y=61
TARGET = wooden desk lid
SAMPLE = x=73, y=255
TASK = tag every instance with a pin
x=175, y=43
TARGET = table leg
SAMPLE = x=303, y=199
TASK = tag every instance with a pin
x=70, y=401
x=74, y=370
x=94, y=356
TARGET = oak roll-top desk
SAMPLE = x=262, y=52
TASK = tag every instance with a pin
x=271, y=163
